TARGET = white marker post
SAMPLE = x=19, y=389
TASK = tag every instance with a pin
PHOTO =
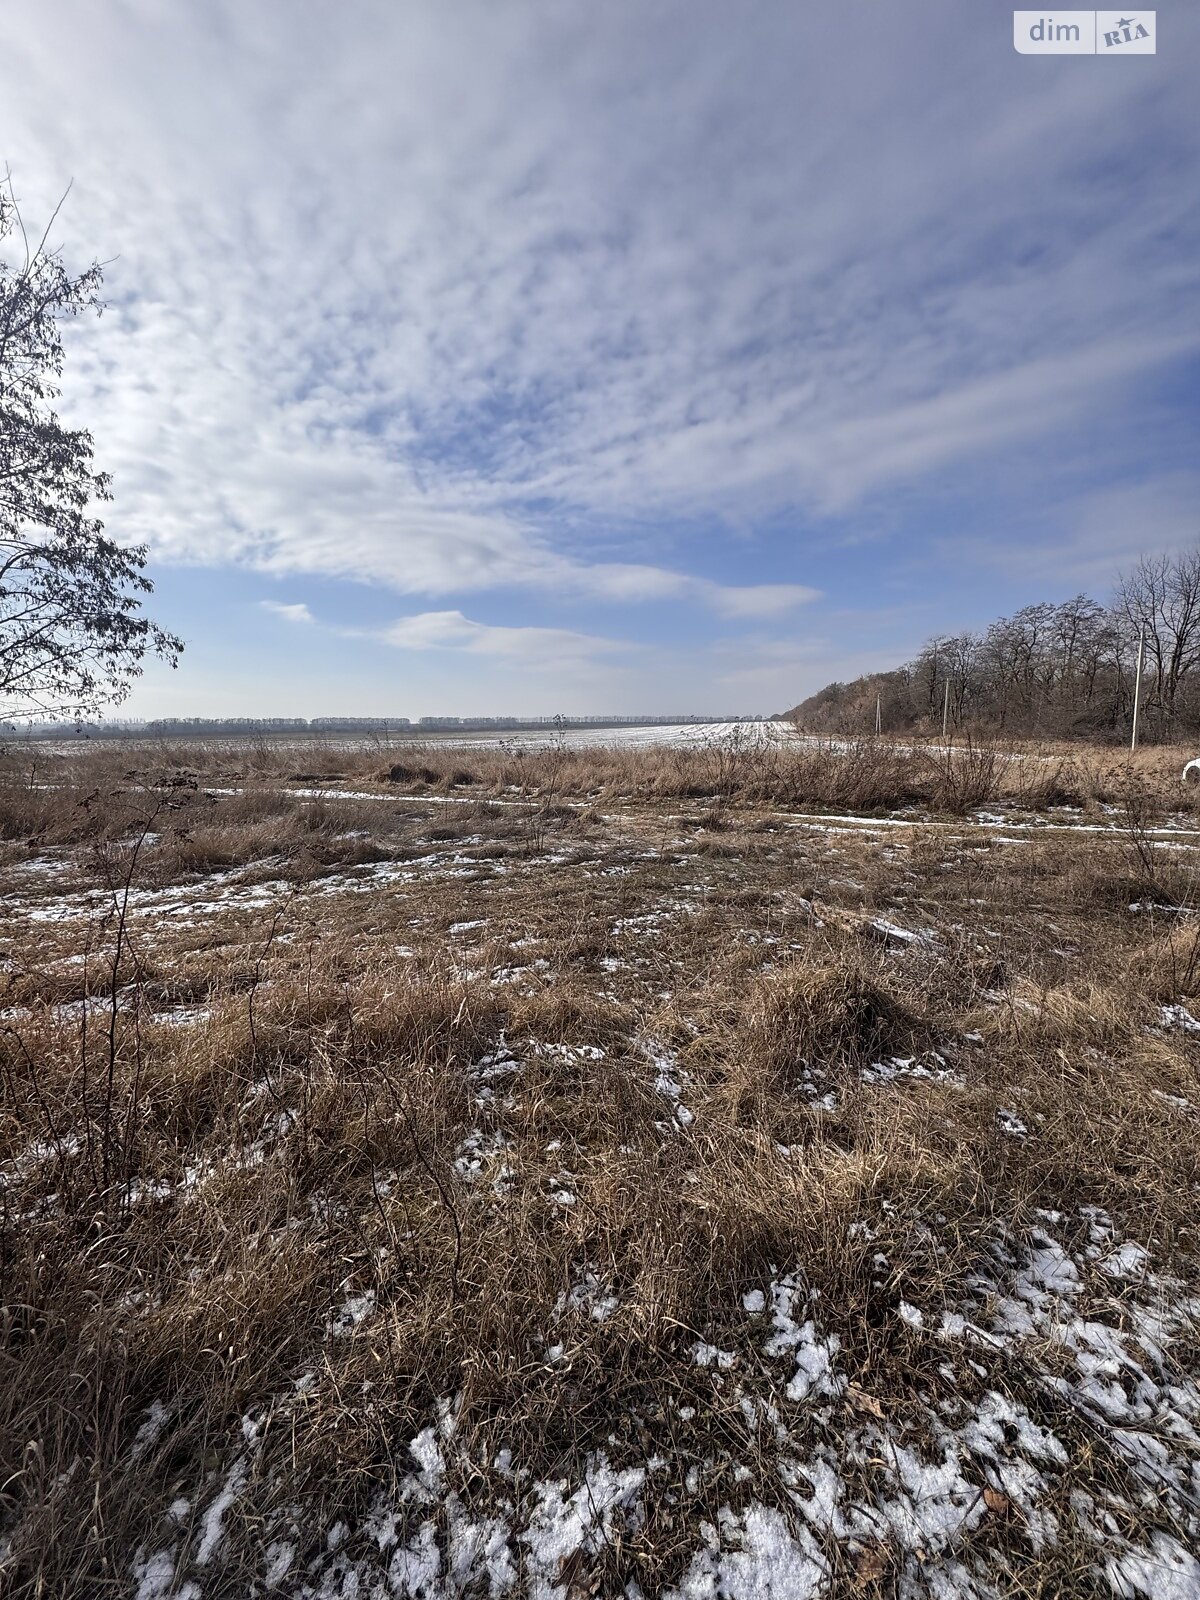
x=946, y=709
x=878, y=716
x=1137, y=686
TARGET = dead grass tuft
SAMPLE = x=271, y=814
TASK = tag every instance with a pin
x=825, y=1016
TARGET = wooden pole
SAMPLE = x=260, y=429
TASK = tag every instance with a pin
x=878, y=716
x=1137, y=687
x=946, y=710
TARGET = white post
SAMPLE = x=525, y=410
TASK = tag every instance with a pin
x=946, y=710
x=878, y=716
x=1137, y=687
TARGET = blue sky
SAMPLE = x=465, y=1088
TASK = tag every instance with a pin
x=649, y=356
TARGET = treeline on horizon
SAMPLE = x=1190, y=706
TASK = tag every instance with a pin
x=1062, y=670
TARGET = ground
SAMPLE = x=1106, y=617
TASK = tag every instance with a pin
x=739, y=1170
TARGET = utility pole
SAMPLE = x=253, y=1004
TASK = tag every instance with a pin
x=878, y=716
x=946, y=709
x=1137, y=685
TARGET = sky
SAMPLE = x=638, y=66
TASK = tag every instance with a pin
x=655, y=356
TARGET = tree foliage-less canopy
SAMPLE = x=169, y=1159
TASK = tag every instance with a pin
x=72, y=633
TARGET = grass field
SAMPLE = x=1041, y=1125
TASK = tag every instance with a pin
x=736, y=1170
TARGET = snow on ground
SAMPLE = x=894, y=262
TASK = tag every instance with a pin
x=680, y=734
x=1065, y=1345
x=1176, y=834
x=668, y=1082
x=837, y=1490
x=240, y=888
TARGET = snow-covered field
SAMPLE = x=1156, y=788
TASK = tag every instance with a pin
x=758, y=732
x=755, y=731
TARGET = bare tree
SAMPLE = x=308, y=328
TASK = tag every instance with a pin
x=72, y=636
x=1161, y=596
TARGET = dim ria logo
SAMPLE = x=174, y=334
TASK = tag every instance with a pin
x=1084, y=33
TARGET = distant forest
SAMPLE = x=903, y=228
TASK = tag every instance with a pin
x=1052, y=670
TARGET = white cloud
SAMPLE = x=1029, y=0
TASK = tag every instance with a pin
x=758, y=599
x=451, y=630
x=1112, y=529
x=1026, y=402
x=297, y=612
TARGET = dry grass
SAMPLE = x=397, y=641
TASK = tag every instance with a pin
x=55, y=793
x=450, y=1064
